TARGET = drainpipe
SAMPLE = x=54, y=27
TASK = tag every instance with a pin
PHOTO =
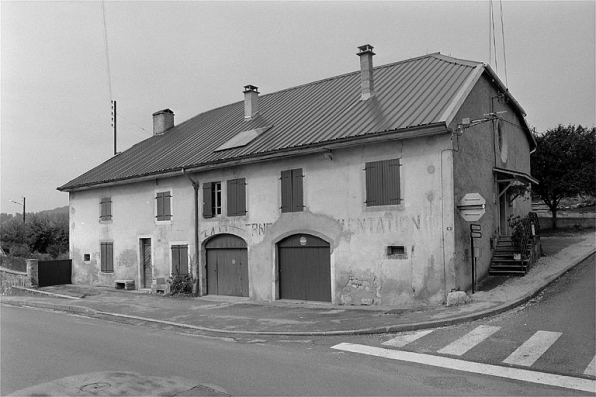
x=196, y=287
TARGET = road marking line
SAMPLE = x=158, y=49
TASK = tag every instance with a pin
x=404, y=339
x=469, y=340
x=533, y=348
x=525, y=375
x=591, y=369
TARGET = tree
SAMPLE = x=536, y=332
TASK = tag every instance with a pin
x=564, y=164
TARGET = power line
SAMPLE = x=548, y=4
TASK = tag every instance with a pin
x=132, y=122
x=105, y=40
x=503, y=40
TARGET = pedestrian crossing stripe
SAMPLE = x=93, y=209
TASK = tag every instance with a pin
x=533, y=348
x=468, y=341
x=523, y=356
x=525, y=375
x=406, y=338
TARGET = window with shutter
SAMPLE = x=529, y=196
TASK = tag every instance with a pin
x=292, y=191
x=236, y=197
x=180, y=259
x=382, y=183
x=107, y=257
x=211, y=199
x=106, y=209
x=163, y=203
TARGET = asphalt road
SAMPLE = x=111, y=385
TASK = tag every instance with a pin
x=554, y=333
x=39, y=347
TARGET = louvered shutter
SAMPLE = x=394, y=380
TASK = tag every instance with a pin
x=207, y=200
x=286, y=191
x=297, y=191
x=110, y=258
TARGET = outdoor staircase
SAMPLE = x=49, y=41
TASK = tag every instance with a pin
x=503, y=264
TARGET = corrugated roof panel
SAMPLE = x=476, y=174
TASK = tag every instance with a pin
x=410, y=93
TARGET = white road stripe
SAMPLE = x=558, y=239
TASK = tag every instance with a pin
x=591, y=369
x=404, y=339
x=533, y=348
x=469, y=340
x=567, y=382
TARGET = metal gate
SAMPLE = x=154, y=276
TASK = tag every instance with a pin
x=227, y=266
x=304, y=268
x=54, y=272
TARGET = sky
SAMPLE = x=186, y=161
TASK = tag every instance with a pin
x=193, y=56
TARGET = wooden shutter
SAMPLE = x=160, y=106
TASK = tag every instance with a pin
x=106, y=208
x=110, y=261
x=159, y=205
x=207, y=200
x=382, y=182
x=103, y=256
x=297, y=191
x=393, y=181
x=180, y=259
x=286, y=191
x=167, y=209
x=237, y=195
x=372, y=184
x=107, y=257
x=183, y=252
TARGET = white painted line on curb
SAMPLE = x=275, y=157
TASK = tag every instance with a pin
x=567, y=382
x=591, y=369
x=533, y=348
x=408, y=337
x=469, y=340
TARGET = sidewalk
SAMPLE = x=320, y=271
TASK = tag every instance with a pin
x=241, y=316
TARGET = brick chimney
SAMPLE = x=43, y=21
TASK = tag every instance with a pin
x=251, y=102
x=162, y=121
x=366, y=71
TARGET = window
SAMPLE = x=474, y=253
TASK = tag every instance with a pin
x=291, y=190
x=211, y=199
x=106, y=209
x=180, y=259
x=236, y=197
x=382, y=183
x=164, y=210
x=107, y=257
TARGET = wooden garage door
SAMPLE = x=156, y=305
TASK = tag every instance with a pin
x=304, y=268
x=227, y=266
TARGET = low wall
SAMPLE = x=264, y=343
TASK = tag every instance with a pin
x=11, y=278
x=568, y=222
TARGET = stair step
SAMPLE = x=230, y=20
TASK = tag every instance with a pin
x=506, y=273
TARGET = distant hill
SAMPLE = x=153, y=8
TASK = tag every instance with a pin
x=55, y=211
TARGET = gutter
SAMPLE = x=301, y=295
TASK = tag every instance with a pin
x=196, y=290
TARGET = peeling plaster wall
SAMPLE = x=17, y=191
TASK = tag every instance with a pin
x=362, y=273
x=473, y=173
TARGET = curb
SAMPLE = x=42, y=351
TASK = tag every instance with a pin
x=364, y=331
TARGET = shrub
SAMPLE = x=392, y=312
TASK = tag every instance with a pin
x=181, y=285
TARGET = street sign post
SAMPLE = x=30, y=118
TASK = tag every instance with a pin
x=475, y=232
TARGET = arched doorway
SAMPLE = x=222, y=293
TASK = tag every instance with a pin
x=227, y=266
x=304, y=266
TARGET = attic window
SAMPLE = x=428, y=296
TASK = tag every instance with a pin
x=242, y=138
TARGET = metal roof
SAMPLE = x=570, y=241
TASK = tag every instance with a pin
x=417, y=92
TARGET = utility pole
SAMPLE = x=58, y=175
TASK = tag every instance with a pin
x=23, y=204
x=114, y=125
